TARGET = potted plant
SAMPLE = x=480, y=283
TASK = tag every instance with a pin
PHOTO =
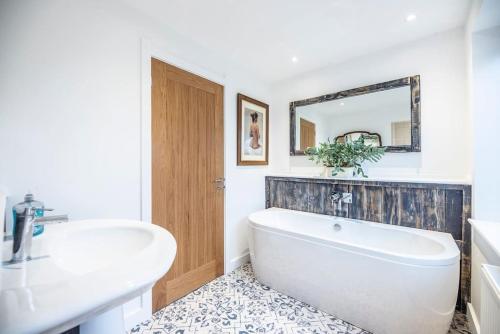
x=344, y=159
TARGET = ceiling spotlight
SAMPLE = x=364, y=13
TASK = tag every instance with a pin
x=295, y=59
x=342, y=103
x=411, y=17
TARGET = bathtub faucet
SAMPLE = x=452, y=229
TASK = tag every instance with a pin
x=339, y=198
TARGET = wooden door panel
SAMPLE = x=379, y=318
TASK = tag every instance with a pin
x=187, y=144
x=307, y=134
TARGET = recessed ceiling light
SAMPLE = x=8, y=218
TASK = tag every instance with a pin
x=411, y=17
x=342, y=103
x=295, y=59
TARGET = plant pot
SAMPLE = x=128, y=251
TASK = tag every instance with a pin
x=348, y=172
x=327, y=171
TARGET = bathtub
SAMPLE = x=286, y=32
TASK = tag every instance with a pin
x=385, y=279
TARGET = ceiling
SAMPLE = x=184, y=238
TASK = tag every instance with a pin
x=264, y=35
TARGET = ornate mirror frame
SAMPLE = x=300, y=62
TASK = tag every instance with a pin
x=413, y=82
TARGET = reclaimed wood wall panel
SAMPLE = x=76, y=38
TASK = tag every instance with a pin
x=297, y=196
x=454, y=213
x=390, y=205
x=433, y=215
x=410, y=207
x=430, y=206
x=320, y=200
x=372, y=196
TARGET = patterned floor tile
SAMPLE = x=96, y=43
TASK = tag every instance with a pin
x=459, y=324
x=238, y=304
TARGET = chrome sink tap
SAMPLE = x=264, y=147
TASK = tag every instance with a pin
x=23, y=235
x=339, y=198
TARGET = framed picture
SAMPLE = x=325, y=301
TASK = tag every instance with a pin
x=253, y=132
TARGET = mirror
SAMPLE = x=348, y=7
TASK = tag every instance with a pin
x=385, y=114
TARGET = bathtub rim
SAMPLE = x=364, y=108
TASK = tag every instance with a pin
x=449, y=257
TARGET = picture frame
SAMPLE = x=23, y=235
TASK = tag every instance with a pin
x=252, y=131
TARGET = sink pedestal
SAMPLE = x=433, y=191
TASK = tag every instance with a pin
x=110, y=322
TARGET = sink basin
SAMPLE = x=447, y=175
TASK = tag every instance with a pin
x=79, y=270
x=91, y=249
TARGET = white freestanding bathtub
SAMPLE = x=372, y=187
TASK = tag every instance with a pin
x=385, y=279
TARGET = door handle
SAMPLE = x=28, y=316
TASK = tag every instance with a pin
x=221, y=183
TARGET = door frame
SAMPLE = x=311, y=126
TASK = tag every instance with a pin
x=140, y=309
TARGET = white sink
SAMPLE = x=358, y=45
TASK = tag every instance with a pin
x=80, y=270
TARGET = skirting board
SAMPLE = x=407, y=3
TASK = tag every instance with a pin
x=238, y=261
x=473, y=320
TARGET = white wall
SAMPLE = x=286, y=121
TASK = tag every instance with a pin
x=70, y=110
x=484, y=37
x=441, y=62
x=486, y=118
x=244, y=184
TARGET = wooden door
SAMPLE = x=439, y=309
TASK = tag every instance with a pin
x=187, y=160
x=307, y=134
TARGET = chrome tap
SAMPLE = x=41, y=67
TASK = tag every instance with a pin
x=339, y=198
x=23, y=235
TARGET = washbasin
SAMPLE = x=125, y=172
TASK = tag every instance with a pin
x=79, y=270
x=90, y=249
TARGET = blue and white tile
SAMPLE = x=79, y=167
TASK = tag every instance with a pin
x=238, y=304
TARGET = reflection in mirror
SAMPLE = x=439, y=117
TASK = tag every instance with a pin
x=383, y=118
x=371, y=139
x=386, y=114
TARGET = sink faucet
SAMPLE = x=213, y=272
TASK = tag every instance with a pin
x=339, y=198
x=23, y=235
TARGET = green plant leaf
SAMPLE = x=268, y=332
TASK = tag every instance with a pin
x=344, y=155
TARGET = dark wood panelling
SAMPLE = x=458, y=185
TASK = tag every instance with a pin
x=465, y=281
x=454, y=213
x=320, y=201
x=433, y=209
x=372, y=196
x=293, y=196
x=410, y=207
x=390, y=205
x=429, y=206
x=465, y=272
